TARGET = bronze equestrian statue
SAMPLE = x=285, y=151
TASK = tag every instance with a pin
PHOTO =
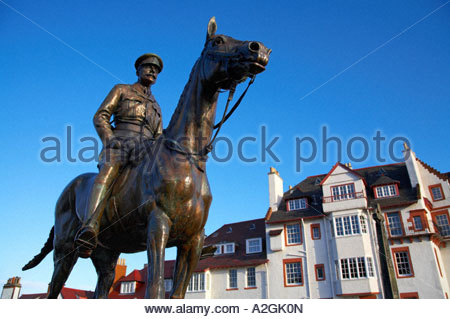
x=163, y=199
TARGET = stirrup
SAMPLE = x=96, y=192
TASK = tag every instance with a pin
x=85, y=241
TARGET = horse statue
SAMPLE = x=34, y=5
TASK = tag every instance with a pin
x=162, y=201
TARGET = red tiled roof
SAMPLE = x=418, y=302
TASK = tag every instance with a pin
x=66, y=293
x=135, y=275
x=70, y=293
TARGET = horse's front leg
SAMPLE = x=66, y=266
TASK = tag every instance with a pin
x=188, y=255
x=157, y=235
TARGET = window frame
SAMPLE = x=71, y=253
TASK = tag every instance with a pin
x=363, y=224
x=200, y=277
x=316, y=226
x=347, y=225
x=230, y=277
x=247, y=245
x=127, y=287
x=286, y=235
x=402, y=228
x=221, y=249
x=247, y=285
x=316, y=268
x=337, y=197
x=285, y=273
x=420, y=213
x=394, y=257
x=302, y=199
x=435, y=221
x=430, y=188
x=396, y=191
x=354, y=268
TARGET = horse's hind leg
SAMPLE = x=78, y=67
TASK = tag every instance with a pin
x=157, y=236
x=105, y=261
x=188, y=255
x=64, y=259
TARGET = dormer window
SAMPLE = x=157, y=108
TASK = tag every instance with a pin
x=436, y=192
x=386, y=191
x=254, y=245
x=227, y=248
x=295, y=204
x=128, y=287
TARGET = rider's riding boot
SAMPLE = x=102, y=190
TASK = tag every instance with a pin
x=86, y=238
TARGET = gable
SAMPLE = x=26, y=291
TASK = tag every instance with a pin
x=340, y=174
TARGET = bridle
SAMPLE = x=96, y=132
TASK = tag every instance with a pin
x=202, y=155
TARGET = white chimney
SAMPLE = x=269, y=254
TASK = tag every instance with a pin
x=411, y=164
x=275, y=189
x=11, y=290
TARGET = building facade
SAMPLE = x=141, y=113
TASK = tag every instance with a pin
x=323, y=240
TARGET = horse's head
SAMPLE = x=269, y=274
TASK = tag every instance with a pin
x=228, y=61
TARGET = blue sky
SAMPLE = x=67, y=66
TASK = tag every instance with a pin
x=354, y=67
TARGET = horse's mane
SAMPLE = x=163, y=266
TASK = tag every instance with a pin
x=181, y=105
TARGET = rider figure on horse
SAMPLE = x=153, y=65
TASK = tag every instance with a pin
x=138, y=120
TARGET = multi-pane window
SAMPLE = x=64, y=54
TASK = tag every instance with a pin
x=339, y=227
x=345, y=273
x=417, y=223
x=232, y=279
x=353, y=269
x=254, y=245
x=128, y=287
x=347, y=225
x=370, y=266
x=320, y=272
x=362, y=267
x=227, y=248
x=403, y=263
x=443, y=224
x=315, y=231
x=386, y=191
x=251, y=277
x=436, y=192
x=293, y=234
x=293, y=271
x=362, y=221
x=355, y=224
x=356, y=267
x=343, y=192
x=299, y=203
x=197, y=282
x=395, y=224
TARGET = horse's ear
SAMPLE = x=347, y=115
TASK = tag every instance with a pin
x=212, y=28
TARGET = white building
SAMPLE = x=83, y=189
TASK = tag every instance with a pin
x=323, y=240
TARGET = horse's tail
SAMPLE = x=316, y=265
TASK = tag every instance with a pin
x=48, y=247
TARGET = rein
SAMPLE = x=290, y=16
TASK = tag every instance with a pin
x=226, y=115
